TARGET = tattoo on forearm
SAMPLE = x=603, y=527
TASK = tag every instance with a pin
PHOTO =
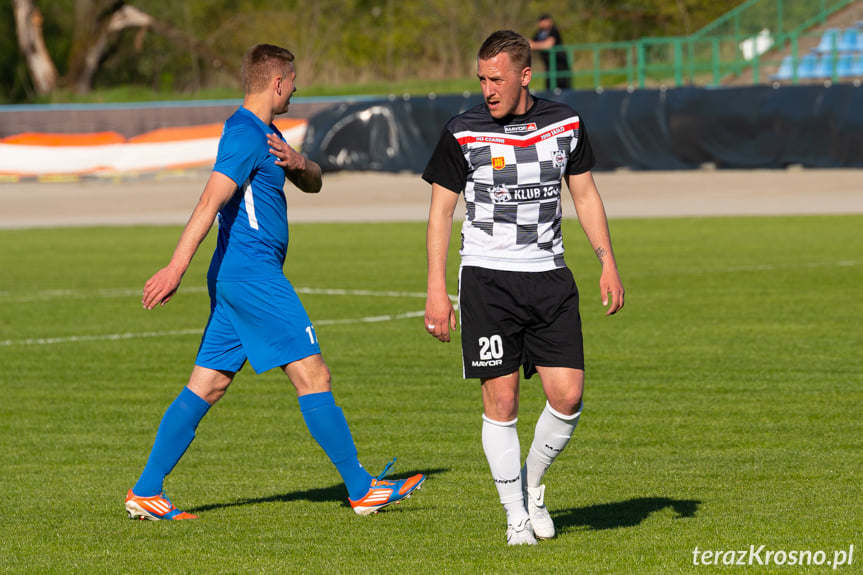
x=600, y=254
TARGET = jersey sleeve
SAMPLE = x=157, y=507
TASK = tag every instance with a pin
x=447, y=165
x=581, y=159
x=237, y=155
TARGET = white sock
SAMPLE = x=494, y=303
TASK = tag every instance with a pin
x=502, y=449
x=553, y=431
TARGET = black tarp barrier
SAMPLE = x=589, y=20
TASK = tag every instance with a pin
x=627, y=129
x=681, y=128
x=763, y=127
x=387, y=135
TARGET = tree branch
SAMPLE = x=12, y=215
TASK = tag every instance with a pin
x=28, y=25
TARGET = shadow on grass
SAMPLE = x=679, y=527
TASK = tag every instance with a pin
x=624, y=513
x=336, y=492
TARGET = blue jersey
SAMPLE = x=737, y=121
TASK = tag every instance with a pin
x=253, y=225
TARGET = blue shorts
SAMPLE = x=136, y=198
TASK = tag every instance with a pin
x=262, y=321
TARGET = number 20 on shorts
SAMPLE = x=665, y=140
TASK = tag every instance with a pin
x=490, y=347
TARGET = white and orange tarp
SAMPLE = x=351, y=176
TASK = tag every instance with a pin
x=104, y=153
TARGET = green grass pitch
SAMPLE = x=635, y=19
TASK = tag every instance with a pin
x=722, y=408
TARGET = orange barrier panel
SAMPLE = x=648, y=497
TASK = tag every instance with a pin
x=287, y=123
x=46, y=139
x=179, y=133
x=202, y=131
x=173, y=134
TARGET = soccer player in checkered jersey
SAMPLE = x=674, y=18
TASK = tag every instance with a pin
x=255, y=314
x=518, y=301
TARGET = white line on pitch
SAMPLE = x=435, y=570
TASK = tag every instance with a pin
x=122, y=336
x=104, y=337
x=371, y=319
x=45, y=295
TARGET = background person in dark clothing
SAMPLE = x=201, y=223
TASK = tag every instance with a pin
x=547, y=36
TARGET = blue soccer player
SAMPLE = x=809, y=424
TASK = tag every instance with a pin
x=255, y=313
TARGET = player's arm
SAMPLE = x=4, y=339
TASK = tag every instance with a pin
x=301, y=171
x=440, y=316
x=591, y=216
x=160, y=288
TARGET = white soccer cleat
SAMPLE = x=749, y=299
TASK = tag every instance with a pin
x=521, y=534
x=543, y=526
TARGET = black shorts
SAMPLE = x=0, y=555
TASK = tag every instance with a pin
x=512, y=319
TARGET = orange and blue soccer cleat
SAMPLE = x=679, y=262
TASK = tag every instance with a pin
x=382, y=492
x=154, y=508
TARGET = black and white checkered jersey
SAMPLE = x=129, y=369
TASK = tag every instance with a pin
x=511, y=171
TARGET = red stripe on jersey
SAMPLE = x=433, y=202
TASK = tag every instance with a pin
x=518, y=142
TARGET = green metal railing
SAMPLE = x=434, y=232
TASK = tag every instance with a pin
x=780, y=16
x=749, y=37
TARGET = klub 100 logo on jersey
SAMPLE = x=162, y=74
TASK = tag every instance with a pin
x=502, y=193
x=490, y=352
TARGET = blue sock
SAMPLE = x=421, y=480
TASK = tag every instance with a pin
x=176, y=432
x=328, y=426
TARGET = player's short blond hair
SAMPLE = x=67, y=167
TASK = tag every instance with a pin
x=512, y=43
x=261, y=63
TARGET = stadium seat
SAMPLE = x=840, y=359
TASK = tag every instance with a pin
x=826, y=43
x=857, y=65
x=848, y=40
x=824, y=66
x=845, y=65
x=786, y=69
x=806, y=66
